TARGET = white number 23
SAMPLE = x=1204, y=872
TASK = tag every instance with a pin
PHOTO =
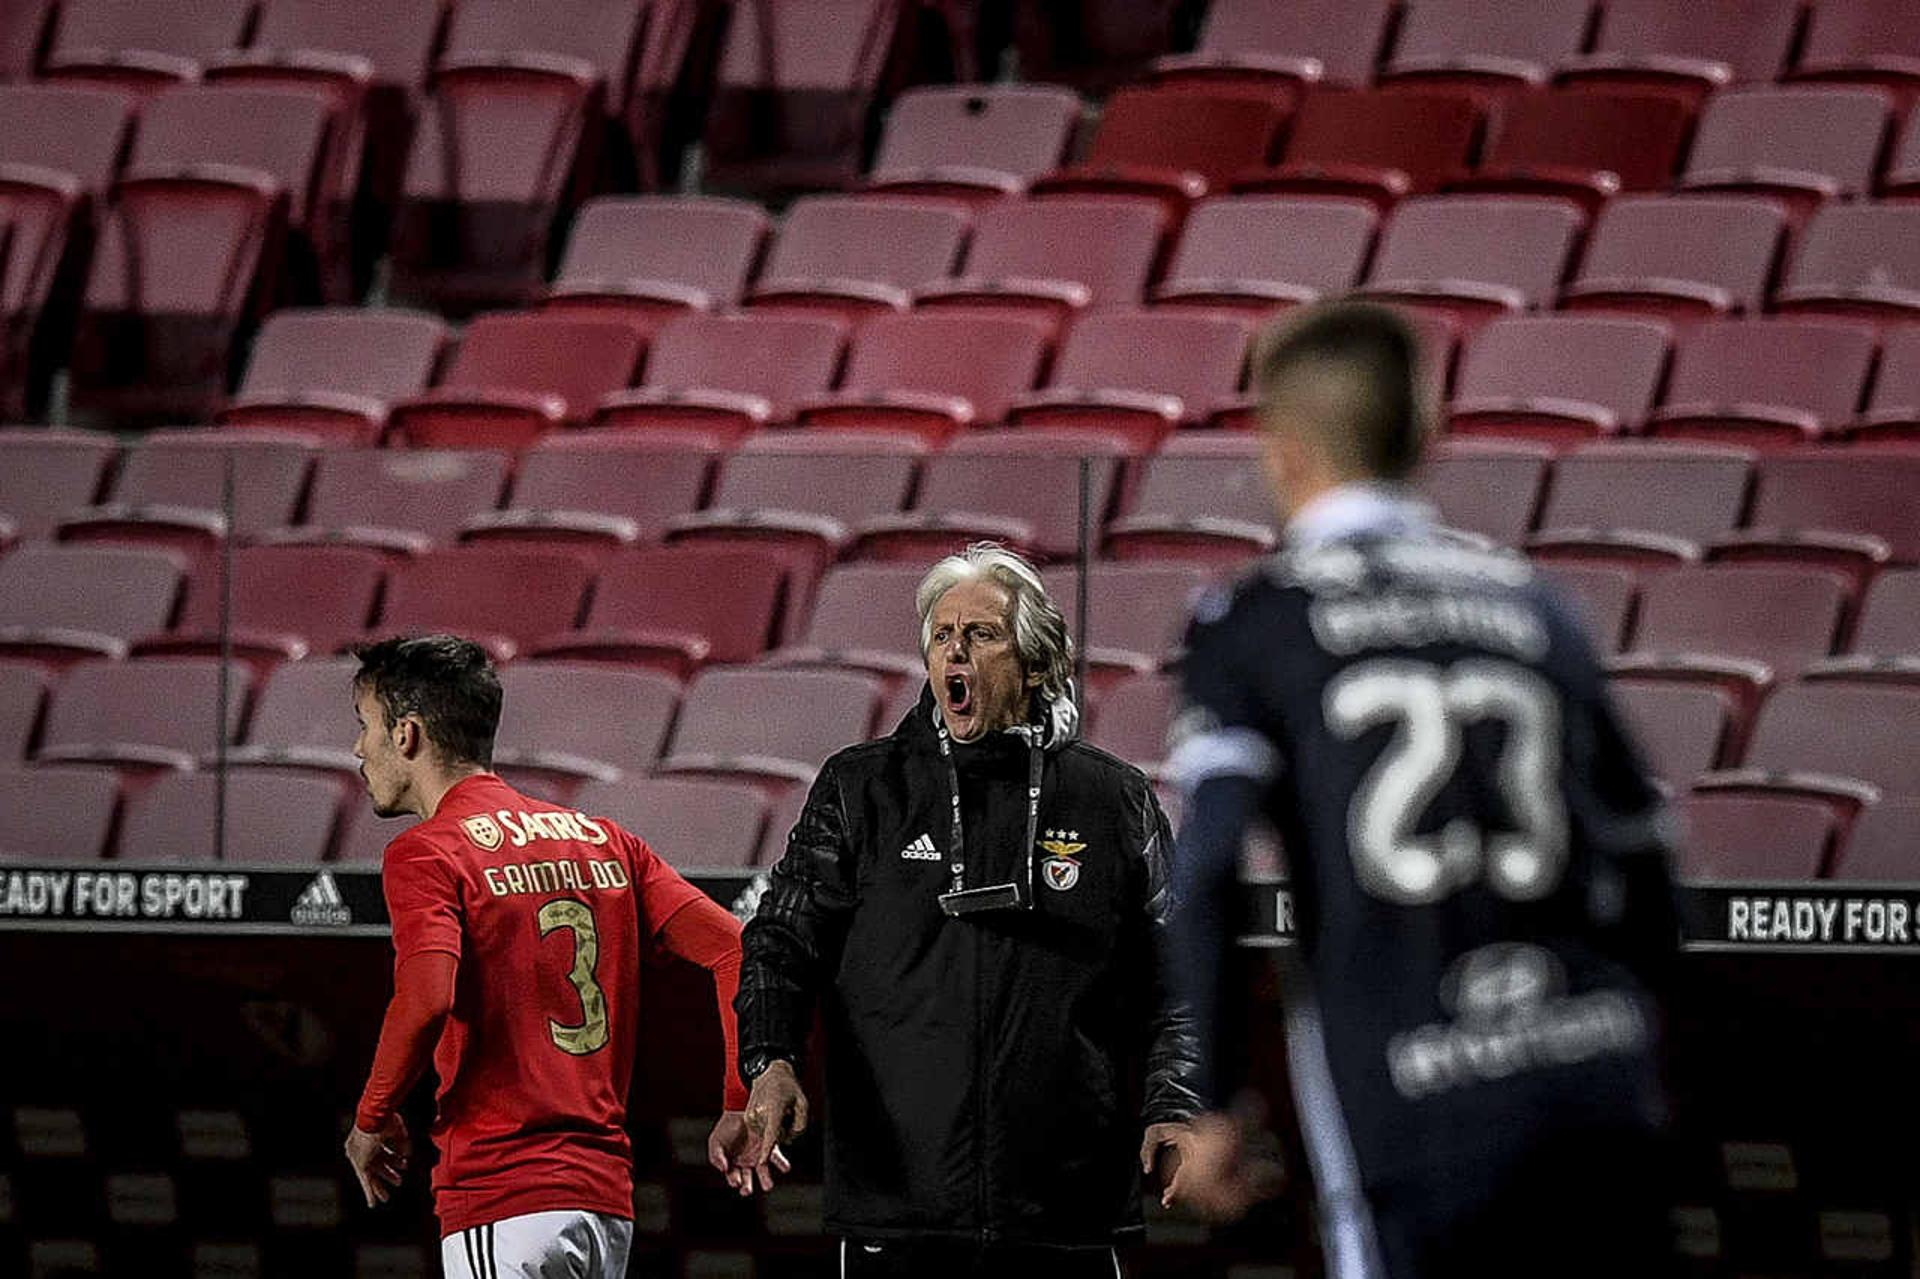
x=1430, y=708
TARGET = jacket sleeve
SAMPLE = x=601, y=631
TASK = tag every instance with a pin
x=792, y=943
x=1172, y=1090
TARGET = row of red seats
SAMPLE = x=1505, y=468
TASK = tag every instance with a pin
x=1122, y=376
x=730, y=756
x=192, y=237
x=805, y=500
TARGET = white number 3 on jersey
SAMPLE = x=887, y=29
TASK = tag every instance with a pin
x=1430, y=708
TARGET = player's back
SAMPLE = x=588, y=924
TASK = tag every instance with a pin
x=1457, y=804
x=539, y=904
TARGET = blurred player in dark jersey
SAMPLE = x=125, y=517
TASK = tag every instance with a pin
x=1478, y=859
x=517, y=932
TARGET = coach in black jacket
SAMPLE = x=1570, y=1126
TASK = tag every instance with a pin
x=974, y=904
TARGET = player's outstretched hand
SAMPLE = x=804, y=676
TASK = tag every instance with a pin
x=1219, y=1178
x=776, y=1112
x=727, y=1149
x=379, y=1158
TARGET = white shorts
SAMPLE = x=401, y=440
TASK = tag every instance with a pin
x=540, y=1245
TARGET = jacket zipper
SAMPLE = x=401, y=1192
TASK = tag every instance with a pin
x=980, y=1073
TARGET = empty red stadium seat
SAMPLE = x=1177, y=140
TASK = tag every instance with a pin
x=1604, y=598
x=569, y=723
x=1491, y=489
x=1684, y=730
x=1866, y=42
x=776, y=725
x=597, y=490
x=157, y=713
x=676, y=609
x=1559, y=378
x=863, y=619
x=1586, y=146
x=1021, y=488
x=333, y=371
x=975, y=141
x=1747, y=837
x=855, y=256
x=718, y=376
x=58, y=814
x=1137, y=613
x=320, y=175
x=397, y=499
x=1254, y=253
x=1851, y=511
x=517, y=376
x=1798, y=144
x=58, y=603
x=1172, y=148
x=1132, y=718
x=688, y=822
x=1884, y=845
x=672, y=35
x=1857, y=260
x=23, y=691
x=1743, y=626
x=795, y=87
x=288, y=602
x=644, y=259
x=1055, y=256
x=302, y=719
x=382, y=49
x=933, y=373
x=271, y=820
x=1795, y=749
x=801, y=493
x=1636, y=505
x=144, y=46
x=1685, y=51
x=171, y=490
x=1474, y=256
x=1483, y=50
x=1257, y=45
x=45, y=474
x=188, y=249
x=1688, y=257
x=1136, y=375
x=1202, y=497
x=506, y=144
x=60, y=148
x=1373, y=146
x=503, y=597
x=1765, y=382
x=1885, y=644
x=1893, y=406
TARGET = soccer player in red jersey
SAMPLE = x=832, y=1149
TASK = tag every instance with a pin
x=517, y=932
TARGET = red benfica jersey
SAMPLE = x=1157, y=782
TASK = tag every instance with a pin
x=545, y=909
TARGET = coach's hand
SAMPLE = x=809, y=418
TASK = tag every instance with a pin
x=1170, y=1139
x=379, y=1158
x=776, y=1112
x=727, y=1149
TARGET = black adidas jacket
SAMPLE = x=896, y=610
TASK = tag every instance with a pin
x=987, y=1076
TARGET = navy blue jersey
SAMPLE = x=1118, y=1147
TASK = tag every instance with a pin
x=1477, y=855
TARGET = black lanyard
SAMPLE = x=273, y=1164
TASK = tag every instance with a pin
x=1036, y=763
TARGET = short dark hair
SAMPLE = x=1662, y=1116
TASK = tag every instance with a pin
x=1376, y=348
x=447, y=682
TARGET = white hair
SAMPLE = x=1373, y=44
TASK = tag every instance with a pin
x=1039, y=630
